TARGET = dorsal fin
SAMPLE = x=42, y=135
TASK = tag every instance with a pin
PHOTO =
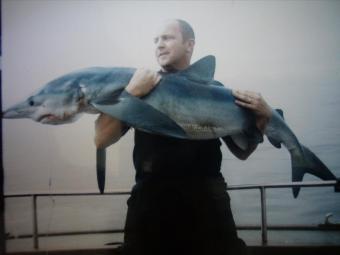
x=202, y=70
x=279, y=111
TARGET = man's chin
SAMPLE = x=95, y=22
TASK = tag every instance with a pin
x=163, y=62
x=167, y=65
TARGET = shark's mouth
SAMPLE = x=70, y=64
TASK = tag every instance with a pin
x=48, y=118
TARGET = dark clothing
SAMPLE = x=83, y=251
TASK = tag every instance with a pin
x=161, y=156
x=179, y=204
x=189, y=216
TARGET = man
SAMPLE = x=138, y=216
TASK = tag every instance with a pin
x=179, y=204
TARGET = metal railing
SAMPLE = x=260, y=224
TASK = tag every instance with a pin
x=261, y=187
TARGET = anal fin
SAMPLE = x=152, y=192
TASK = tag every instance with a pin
x=101, y=169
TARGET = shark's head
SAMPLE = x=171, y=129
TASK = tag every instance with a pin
x=49, y=107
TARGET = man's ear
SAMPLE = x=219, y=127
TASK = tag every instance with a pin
x=190, y=45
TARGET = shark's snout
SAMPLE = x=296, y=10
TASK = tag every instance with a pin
x=48, y=112
x=13, y=113
x=18, y=111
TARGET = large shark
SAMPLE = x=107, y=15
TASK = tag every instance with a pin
x=188, y=104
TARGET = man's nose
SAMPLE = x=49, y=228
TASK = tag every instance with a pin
x=160, y=44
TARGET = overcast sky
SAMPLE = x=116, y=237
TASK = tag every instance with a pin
x=287, y=50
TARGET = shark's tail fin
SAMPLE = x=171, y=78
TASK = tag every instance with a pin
x=308, y=162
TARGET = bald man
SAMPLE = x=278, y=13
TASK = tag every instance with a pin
x=179, y=204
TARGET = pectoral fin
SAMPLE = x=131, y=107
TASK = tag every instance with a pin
x=138, y=114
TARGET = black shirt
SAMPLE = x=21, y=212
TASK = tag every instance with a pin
x=161, y=156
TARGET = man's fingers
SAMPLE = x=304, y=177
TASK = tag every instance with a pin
x=245, y=97
x=244, y=104
x=142, y=82
x=255, y=102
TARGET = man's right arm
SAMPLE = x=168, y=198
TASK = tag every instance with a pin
x=108, y=130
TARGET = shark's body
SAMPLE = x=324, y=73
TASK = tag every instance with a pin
x=187, y=104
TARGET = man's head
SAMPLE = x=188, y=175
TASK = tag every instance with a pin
x=175, y=43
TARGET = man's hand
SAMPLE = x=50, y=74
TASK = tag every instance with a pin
x=255, y=102
x=142, y=82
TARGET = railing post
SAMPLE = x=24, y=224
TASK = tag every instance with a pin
x=263, y=216
x=35, y=223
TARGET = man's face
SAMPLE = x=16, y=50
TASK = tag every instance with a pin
x=171, y=50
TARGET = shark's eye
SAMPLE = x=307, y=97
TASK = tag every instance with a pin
x=31, y=102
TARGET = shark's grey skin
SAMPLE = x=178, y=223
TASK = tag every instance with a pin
x=188, y=104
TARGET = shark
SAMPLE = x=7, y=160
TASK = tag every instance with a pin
x=188, y=104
